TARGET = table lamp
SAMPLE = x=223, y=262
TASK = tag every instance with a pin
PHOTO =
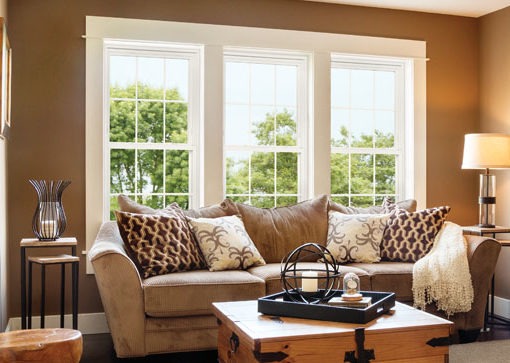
x=486, y=151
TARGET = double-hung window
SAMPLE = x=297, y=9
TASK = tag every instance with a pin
x=265, y=108
x=367, y=130
x=152, y=123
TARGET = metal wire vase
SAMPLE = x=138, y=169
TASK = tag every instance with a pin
x=49, y=221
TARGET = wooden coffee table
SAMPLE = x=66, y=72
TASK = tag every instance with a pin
x=404, y=335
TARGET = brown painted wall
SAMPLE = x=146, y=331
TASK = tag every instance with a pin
x=495, y=117
x=49, y=94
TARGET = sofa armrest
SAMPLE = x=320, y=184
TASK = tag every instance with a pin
x=120, y=288
x=483, y=253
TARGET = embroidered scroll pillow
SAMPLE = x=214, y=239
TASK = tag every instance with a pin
x=225, y=243
x=355, y=237
x=410, y=236
x=160, y=243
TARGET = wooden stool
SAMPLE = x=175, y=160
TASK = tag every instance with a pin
x=41, y=346
x=54, y=260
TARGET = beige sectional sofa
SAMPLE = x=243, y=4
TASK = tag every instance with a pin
x=172, y=312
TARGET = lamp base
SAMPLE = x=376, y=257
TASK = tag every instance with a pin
x=482, y=225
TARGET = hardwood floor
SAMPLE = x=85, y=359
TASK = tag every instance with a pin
x=98, y=348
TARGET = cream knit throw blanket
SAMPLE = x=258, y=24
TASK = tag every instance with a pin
x=442, y=276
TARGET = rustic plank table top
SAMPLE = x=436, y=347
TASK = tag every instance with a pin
x=244, y=315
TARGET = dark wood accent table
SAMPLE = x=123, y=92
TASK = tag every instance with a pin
x=70, y=242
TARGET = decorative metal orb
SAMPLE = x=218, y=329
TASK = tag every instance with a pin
x=309, y=285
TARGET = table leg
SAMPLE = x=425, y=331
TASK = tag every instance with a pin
x=23, y=290
x=29, y=296
x=62, y=294
x=75, y=268
x=43, y=293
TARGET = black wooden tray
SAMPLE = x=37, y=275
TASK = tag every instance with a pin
x=382, y=302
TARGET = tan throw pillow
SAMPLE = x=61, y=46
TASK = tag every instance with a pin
x=409, y=236
x=127, y=204
x=225, y=208
x=355, y=237
x=408, y=204
x=278, y=231
x=388, y=205
x=225, y=243
x=159, y=244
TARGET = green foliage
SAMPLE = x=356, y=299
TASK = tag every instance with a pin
x=362, y=178
x=158, y=121
x=161, y=177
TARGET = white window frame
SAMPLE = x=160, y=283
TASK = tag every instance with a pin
x=158, y=50
x=214, y=38
x=404, y=137
x=301, y=60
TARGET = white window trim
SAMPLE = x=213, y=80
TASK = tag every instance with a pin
x=301, y=61
x=191, y=53
x=404, y=139
x=214, y=38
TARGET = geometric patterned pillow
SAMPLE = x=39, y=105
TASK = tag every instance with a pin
x=410, y=236
x=225, y=243
x=355, y=237
x=159, y=244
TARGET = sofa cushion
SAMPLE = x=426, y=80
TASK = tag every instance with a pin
x=355, y=237
x=127, y=204
x=225, y=244
x=193, y=292
x=278, y=231
x=225, y=208
x=394, y=277
x=159, y=244
x=410, y=236
x=408, y=204
x=270, y=273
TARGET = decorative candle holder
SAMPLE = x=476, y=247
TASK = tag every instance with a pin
x=309, y=285
x=351, y=287
x=49, y=221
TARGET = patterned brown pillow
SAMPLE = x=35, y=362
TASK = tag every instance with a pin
x=409, y=236
x=161, y=243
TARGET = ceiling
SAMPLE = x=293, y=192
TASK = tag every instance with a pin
x=471, y=8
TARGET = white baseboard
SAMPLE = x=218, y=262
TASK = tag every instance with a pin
x=502, y=307
x=93, y=323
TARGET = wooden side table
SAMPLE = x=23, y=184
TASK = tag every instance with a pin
x=491, y=232
x=41, y=346
x=49, y=260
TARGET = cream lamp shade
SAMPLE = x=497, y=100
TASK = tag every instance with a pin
x=486, y=151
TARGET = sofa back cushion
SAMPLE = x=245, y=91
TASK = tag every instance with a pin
x=278, y=231
x=408, y=205
x=225, y=208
